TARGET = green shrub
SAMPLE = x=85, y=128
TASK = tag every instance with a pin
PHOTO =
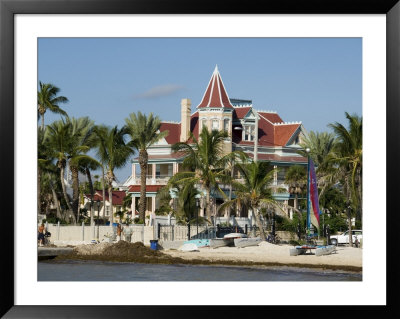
x=137, y=220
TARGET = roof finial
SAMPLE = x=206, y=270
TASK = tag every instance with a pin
x=216, y=69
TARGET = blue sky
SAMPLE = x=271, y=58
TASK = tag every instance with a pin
x=312, y=80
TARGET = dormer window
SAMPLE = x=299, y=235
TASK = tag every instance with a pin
x=248, y=133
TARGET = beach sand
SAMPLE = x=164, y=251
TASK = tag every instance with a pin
x=345, y=257
x=265, y=254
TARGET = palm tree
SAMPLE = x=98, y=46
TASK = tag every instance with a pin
x=46, y=166
x=321, y=145
x=57, y=135
x=255, y=190
x=48, y=100
x=80, y=144
x=186, y=202
x=296, y=178
x=144, y=132
x=348, y=157
x=206, y=163
x=113, y=153
x=85, y=166
x=69, y=141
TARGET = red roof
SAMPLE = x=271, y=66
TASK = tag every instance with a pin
x=174, y=130
x=272, y=117
x=149, y=188
x=283, y=133
x=215, y=94
x=240, y=112
x=117, y=196
x=269, y=134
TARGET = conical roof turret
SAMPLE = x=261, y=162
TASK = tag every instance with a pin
x=215, y=94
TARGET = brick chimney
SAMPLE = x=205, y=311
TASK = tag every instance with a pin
x=185, y=119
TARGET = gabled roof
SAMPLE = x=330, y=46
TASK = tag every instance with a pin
x=273, y=117
x=269, y=133
x=240, y=112
x=174, y=130
x=284, y=132
x=117, y=196
x=215, y=94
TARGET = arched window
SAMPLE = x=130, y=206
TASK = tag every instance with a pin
x=215, y=125
x=203, y=123
x=226, y=125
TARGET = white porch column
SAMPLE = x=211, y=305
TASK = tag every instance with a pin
x=287, y=209
x=275, y=175
x=153, y=204
x=134, y=171
x=133, y=206
x=174, y=168
x=153, y=171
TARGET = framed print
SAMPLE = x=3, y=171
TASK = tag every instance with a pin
x=28, y=28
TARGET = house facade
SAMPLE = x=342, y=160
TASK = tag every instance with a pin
x=261, y=134
x=98, y=207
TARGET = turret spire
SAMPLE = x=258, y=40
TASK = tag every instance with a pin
x=215, y=94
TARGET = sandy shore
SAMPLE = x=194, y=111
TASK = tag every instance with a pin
x=266, y=253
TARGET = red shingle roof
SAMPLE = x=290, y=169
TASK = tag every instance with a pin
x=283, y=133
x=174, y=130
x=240, y=112
x=215, y=94
x=117, y=196
x=272, y=117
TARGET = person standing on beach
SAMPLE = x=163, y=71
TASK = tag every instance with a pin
x=41, y=232
x=119, y=230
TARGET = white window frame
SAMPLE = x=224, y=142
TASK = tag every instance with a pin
x=248, y=133
x=212, y=124
x=226, y=125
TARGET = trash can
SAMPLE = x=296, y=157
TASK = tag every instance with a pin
x=153, y=244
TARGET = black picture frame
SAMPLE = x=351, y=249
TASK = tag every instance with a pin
x=9, y=8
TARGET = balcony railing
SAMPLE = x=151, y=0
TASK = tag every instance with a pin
x=158, y=180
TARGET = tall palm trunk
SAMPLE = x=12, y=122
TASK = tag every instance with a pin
x=104, y=193
x=56, y=203
x=89, y=177
x=42, y=115
x=143, y=158
x=208, y=204
x=39, y=172
x=259, y=224
x=62, y=169
x=111, y=204
x=55, y=198
x=75, y=191
x=348, y=210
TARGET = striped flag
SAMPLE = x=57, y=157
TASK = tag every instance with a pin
x=313, y=196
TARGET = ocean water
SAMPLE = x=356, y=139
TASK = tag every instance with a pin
x=114, y=271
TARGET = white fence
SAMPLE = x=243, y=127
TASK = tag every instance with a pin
x=64, y=234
